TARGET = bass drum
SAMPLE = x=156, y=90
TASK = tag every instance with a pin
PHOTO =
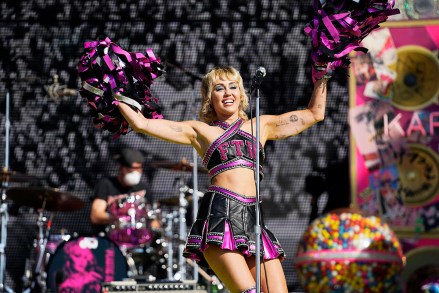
x=83, y=263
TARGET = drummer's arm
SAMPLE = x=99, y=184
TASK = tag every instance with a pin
x=99, y=214
x=172, y=131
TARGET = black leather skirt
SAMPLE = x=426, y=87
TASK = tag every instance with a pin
x=228, y=219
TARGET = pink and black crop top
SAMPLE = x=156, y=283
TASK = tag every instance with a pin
x=234, y=148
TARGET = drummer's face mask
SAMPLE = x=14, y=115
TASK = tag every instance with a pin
x=132, y=178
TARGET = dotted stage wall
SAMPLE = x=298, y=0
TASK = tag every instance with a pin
x=53, y=139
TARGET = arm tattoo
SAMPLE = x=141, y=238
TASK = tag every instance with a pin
x=319, y=106
x=282, y=123
x=302, y=120
x=294, y=118
x=176, y=128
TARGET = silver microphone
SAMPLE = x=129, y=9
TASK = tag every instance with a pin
x=257, y=78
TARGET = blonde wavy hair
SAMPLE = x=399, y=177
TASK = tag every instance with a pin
x=207, y=113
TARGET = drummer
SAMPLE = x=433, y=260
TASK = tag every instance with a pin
x=115, y=189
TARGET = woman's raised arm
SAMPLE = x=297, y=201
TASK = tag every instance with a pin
x=172, y=131
x=291, y=123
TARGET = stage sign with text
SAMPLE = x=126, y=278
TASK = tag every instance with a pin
x=394, y=121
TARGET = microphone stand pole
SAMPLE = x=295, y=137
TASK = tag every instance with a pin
x=258, y=224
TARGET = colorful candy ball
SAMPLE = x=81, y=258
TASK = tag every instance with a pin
x=344, y=251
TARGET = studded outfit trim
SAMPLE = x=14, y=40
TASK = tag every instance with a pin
x=227, y=219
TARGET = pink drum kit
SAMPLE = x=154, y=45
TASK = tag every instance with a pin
x=138, y=244
x=132, y=227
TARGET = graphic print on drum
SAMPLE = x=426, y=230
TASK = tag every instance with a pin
x=132, y=227
x=82, y=264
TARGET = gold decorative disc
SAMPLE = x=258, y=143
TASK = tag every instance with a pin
x=417, y=81
x=418, y=175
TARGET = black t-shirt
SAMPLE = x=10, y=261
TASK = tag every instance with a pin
x=114, y=193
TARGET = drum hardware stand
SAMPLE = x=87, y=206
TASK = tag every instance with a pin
x=133, y=272
x=4, y=229
x=132, y=214
x=169, y=236
x=39, y=276
x=4, y=206
x=182, y=228
x=172, y=217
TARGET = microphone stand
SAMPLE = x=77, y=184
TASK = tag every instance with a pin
x=257, y=224
x=257, y=79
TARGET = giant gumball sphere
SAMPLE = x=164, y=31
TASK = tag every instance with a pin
x=344, y=251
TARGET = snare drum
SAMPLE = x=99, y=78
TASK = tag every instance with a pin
x=131, y=228
x=82, y=264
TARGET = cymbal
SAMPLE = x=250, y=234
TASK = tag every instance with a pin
x=48, y=198
x=13, y=176
x=182, y=165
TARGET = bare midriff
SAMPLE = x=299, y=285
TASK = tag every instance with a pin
x=239, y=180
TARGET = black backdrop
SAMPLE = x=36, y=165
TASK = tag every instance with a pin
x=53, y=138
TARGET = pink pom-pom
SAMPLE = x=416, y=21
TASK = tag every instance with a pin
x=107, y=71
x=338, y=27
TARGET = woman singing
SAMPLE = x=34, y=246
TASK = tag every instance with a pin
x=223, y=236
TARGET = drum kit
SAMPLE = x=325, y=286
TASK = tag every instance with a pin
x=139, y=244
